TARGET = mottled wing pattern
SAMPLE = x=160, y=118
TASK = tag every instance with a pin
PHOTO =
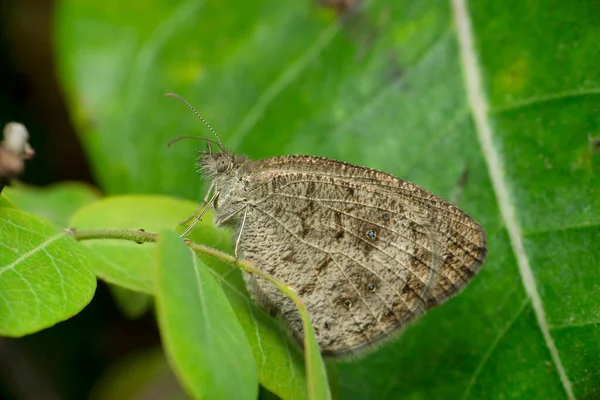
x=366, y=251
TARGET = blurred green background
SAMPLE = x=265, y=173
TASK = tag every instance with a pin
x=381, y=85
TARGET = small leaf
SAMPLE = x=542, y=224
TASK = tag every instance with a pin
x=316, y=375
x=129, y=264
x=280, y=361
x=45, y=276
x=203, y=338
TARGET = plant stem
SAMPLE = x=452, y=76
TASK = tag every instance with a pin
x=141, y=236
x=135, y=235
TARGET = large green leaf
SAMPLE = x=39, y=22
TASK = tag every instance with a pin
x=489, y=104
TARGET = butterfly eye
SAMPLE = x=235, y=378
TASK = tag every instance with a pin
x=371, y=288
x=348, y=303
x=222, y=164
x=371, y=234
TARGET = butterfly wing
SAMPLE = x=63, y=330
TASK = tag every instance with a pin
x=367, y=252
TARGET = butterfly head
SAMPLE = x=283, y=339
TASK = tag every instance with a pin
x=214, y=164
x=211, y=164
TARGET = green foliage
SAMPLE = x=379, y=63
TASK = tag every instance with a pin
x=191, y=326
x=131, y=265
x=56, y=203
x=45, y=276
x=390, y=88
x=126, y=263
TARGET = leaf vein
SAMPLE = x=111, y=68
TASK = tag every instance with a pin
x=31, y=252
x=480, y=109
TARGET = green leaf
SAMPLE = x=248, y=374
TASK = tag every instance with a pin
x=318, y=387
x=280, y=363
x=316, y=375
x=45, y=276
x=56, y=203
x=6, y=202
x=129, y=265
x=493, y=108
x=203, y=338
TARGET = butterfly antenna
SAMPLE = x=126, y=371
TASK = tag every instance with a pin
x=192, y=137
x=184, y=101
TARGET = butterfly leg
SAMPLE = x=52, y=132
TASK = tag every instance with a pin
x=210, y=188
x=237, y=241
x=212, y=185
x=199, y=217
x=185, y=221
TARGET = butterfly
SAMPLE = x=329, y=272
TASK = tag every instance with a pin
x=367, y=252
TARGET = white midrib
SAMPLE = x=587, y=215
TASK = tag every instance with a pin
x=479, y=107
x=31, y=252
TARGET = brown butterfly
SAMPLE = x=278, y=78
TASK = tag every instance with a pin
x=366, y=251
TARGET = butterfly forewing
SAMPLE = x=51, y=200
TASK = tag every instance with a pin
x=366, y=251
